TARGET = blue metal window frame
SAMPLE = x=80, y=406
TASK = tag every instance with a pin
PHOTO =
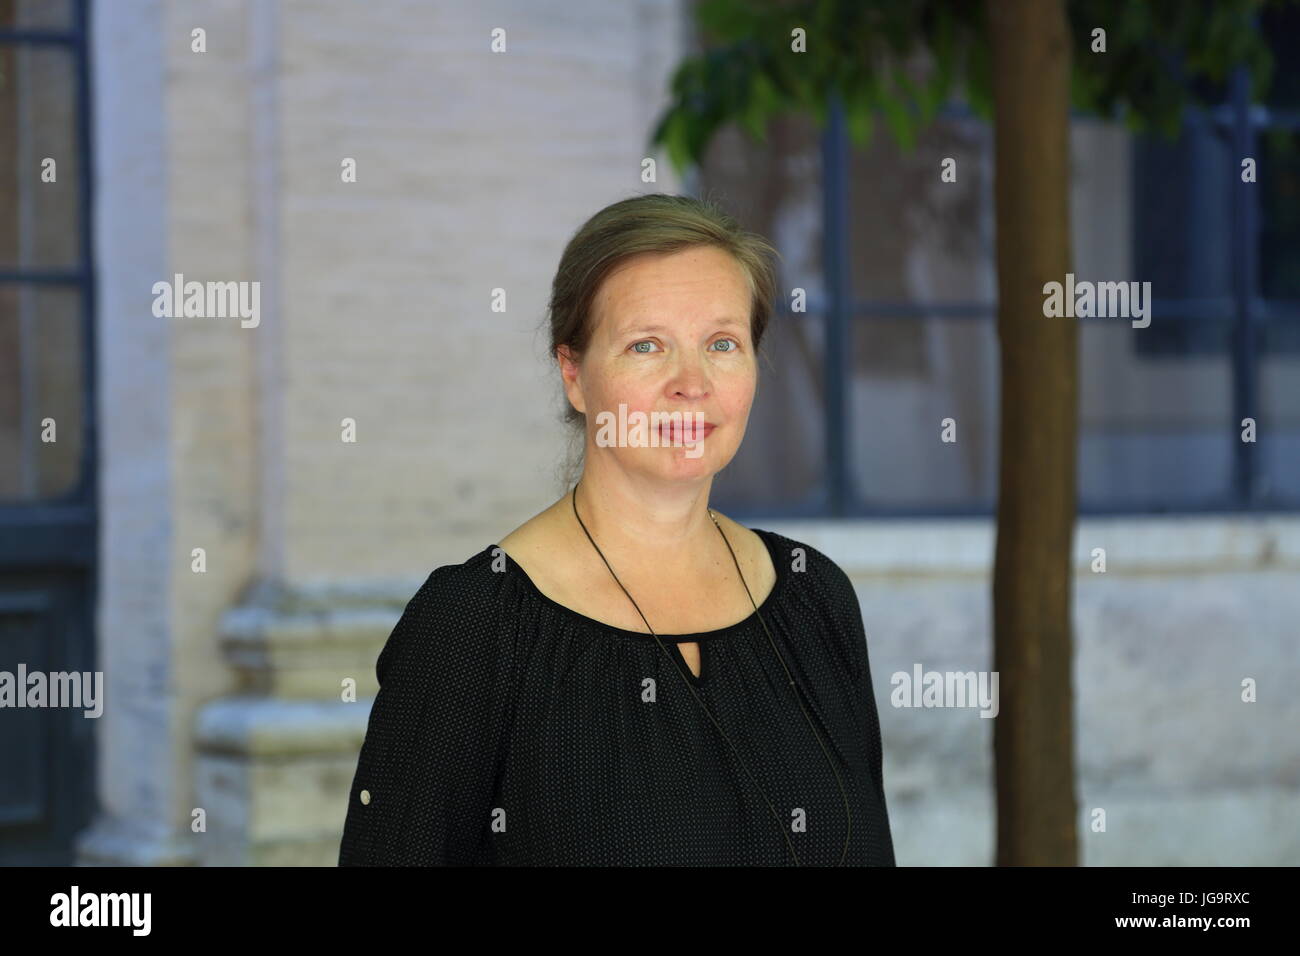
x=1248, y=311
x=62, y=530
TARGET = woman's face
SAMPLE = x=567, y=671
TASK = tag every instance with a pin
x=671, y=335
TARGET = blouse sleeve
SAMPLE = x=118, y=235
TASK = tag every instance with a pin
x=865, y=695
x=866, y=701
x=426, y=774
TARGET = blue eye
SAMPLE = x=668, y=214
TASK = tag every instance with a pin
x=636, y=346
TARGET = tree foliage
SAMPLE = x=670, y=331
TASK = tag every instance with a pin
x=900, y=61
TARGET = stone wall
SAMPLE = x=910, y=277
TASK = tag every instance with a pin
x=1187, y=608
x=473, y=168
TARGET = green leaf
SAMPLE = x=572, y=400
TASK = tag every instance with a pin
x=859, y=123
x=764, y=100
x=726, y=19
x=677, y=141
x=899, y=121
x=942, y=50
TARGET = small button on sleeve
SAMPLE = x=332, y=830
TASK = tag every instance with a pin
x=423, y=788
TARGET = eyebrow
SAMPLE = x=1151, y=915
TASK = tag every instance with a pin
x=654, y=327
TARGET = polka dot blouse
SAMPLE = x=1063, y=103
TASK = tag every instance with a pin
x=511, y=730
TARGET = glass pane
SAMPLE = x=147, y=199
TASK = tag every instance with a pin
x=1279, y=419
x=775, y=190
x=1182, y=227
x=909, y=375
x=1153, y=433
x=1102, y=202
x=1280, y=332
x=41, y=384
x=1182, y=242
x=39, y=219
x=913, y=237
x=781, y=463
x=1279, y=235
x=1176, y=333
x=36, y=14
x=1280, y=26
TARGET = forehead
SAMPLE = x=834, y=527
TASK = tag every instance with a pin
x=695, y=283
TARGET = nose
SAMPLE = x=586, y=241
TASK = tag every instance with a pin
x=690, y=378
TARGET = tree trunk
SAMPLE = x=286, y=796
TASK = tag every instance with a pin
x=1033, y=738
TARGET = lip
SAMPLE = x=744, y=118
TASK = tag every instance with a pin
x=676, y=432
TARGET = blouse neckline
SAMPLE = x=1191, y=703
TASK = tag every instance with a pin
x=768, y=540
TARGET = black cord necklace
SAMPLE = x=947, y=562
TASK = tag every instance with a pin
x=789, y=679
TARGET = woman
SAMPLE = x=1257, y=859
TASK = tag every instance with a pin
x=631, y=678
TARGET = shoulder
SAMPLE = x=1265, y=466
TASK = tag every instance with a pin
x=737, y=532
x=540, y=547
x=825, y=590
x=455, y=617
x=463, y=587
x=756, y=559
x=821, y=583
x=807, y=565
x=796, y=557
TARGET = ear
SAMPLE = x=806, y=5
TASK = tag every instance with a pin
x=570, y=369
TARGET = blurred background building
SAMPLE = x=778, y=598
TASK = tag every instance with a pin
x=199, y=530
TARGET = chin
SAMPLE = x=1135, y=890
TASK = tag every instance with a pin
x=705, y=466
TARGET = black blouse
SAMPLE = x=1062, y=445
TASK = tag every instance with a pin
x=512, y=730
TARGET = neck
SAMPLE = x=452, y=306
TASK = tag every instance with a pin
x=641, y=520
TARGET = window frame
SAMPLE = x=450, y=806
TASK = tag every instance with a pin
x=1249, y=310
x=61, y=529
